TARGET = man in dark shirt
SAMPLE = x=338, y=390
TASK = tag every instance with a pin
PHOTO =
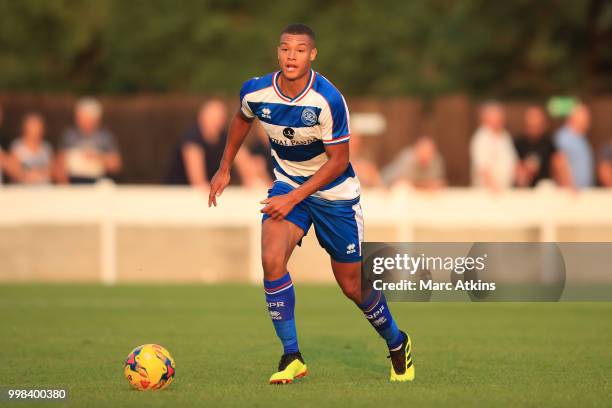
x=539, y=158
x=199, y=151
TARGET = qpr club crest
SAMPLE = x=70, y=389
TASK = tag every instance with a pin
x=309, y=117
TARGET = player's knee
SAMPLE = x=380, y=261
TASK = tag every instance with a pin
x=273, y=265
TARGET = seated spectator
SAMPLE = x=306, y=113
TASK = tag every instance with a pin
x=30, y=155
x=571, y=140
x=199, y=151
x=605, y=165
x=492, y=151
x=420, y=165
x=88, y=152
x=539, y=159
x=366, y=169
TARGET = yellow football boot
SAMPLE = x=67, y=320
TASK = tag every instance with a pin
x=402, y=368
x=290, y=367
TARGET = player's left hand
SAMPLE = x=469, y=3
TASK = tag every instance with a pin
x=278, y=207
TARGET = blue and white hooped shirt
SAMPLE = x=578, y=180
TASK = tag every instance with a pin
x=299, y=128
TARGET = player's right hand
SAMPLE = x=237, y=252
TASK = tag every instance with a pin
x=219, y=181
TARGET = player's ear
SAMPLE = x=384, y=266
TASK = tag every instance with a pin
x=313, y=54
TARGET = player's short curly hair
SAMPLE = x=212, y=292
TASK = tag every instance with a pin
x=299, y=28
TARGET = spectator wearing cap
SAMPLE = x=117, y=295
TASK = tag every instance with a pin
x=571, y=139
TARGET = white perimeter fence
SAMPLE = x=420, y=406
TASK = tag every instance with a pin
x=107, y=233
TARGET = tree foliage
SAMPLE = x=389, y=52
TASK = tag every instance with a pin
x=386, y=47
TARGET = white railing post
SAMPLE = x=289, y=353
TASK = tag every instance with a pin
x=108, y=238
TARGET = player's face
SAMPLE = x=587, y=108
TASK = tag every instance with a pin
x=295, y=53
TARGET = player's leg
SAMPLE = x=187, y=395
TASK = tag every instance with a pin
x=374, y=305
x=376, y=310
x=279, y=239
x=339, y=229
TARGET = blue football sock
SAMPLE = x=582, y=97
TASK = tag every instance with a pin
x=378, y=314
x=280, y=298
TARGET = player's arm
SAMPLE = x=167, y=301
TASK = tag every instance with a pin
x=338, y=159
x=238, y=130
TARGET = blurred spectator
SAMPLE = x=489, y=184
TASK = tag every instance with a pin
x=259, y=153
x=420, y=165
x=199, y=151
x=605, y=165
x=3, y=140
x=30, y=156
x=366, y=169
x=2, y=155
x=538, y=156
x=571, y=140
x=492, y=151
x=87, y=152
x=2, y=161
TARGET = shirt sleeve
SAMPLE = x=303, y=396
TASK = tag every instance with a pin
x=192, y=136
x=334, y=120
x=245, y=109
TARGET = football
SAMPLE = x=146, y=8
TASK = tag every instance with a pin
x=149, y=367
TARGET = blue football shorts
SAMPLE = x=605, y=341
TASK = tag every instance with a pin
x=337, y=224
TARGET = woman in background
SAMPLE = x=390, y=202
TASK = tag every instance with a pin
x=30, y=157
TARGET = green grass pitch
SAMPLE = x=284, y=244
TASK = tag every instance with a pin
x=510, y=354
